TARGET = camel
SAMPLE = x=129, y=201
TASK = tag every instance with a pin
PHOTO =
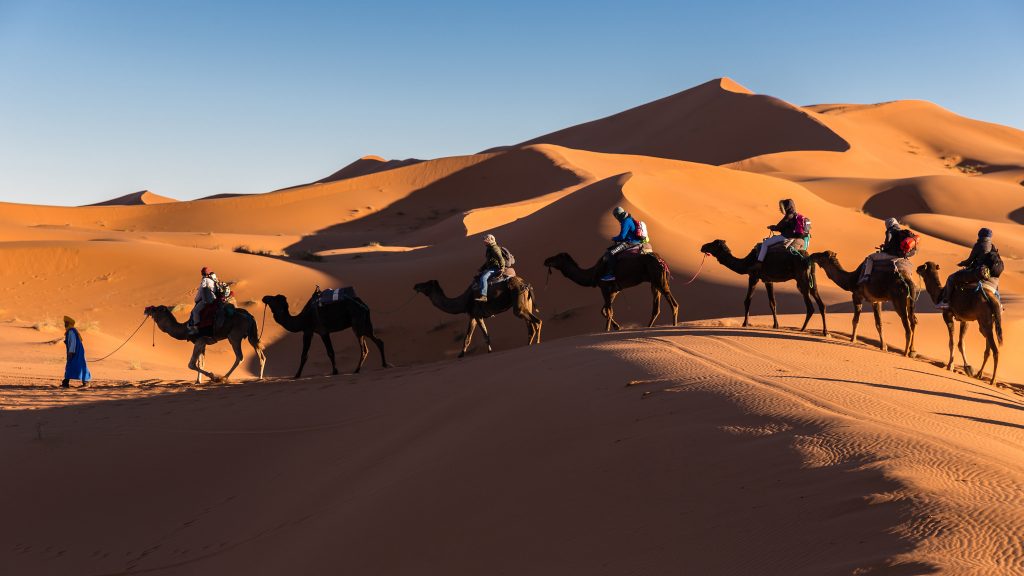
x=239, y=326
x=968, y=304
x=629, y=272
x=777, y=267
x=884, y=285
x=323, y=320
x=515, y=294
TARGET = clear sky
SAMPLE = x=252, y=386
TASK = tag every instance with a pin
x=100, y=98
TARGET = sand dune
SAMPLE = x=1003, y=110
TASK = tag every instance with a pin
x=698, y=449
x=756, y=451
x=136, y=198
x=367, y=165
x=716, y=123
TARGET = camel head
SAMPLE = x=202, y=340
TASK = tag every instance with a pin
x=275, y=302
x=716, y=248
x=558, y=261
x=820, y=258
x=928, y=269
x=153, y=311
x=427, y=288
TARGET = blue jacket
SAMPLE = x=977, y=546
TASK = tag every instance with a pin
x=628, y=231
x=76, y=368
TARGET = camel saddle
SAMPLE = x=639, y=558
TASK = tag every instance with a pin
x=213, y=316
x=636, y=250
x=495, y=280
x=796, y=247
x=334, y=295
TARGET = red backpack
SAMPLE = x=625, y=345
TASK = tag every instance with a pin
x=908, y=243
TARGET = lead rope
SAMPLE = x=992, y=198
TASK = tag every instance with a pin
x=699, y=268
x=123, y=343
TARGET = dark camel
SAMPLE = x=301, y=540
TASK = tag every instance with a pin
x=323, y=320
x=629, y=271
x=777, y=267
x=884, y=285
x=239, y=326
x=515, y=294
x=967, y=304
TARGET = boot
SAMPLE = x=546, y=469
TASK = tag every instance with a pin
x=481, y=298
x=65, y=383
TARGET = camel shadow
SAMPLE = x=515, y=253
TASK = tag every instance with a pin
x=981, y=420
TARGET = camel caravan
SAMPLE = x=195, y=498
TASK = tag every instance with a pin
x=969, y=295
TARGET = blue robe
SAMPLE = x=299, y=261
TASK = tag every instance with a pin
x=76, y=368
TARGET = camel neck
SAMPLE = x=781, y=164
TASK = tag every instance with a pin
x=442, y=302
x=584, y=277
x=737, y=265
x=835, y=271
x=168, y=325
x=286, y=320
x=933, y=285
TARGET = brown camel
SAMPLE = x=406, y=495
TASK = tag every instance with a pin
x=515, y=294
x=237, y=327
x=334, y=317
x=966, y=304
x=629, y=271
x=778, y=266
x=884, y=285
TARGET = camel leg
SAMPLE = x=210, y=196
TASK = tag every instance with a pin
x=487, y=335
x=751, y=284
x=307, y=339
x=948, y=319
x=769, y=289
x=963, y=351
x=609, y=313
x=821, y=309
x=912, y=314
x=380, y=348
x=876, y=307
x=236, y=347
x=196, y=363
x=858, y=301
x=995, y=354
x=902, y=310
x=364, y=351
x=533, y=323
x=674, y=304
x=329, y=346
x=260, y=354
x=655, y=305
x=469, y=336
x=980, y=374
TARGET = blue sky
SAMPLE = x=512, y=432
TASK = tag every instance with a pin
x=192, y=98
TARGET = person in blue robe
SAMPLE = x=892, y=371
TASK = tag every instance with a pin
x=76, y=368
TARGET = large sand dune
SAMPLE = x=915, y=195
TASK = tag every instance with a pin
x=758, y=451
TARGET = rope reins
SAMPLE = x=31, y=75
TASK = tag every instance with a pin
x=399, y=309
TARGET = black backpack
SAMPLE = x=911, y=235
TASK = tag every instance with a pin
x=994, y=262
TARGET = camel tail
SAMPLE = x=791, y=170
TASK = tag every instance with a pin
x=997, y=317
x=253, y=334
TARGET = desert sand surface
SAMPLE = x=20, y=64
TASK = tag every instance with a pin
x=706, y=448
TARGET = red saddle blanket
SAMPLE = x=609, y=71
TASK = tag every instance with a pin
x=208, y=315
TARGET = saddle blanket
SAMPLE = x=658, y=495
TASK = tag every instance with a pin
x=495, y=280
x=333, y=295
